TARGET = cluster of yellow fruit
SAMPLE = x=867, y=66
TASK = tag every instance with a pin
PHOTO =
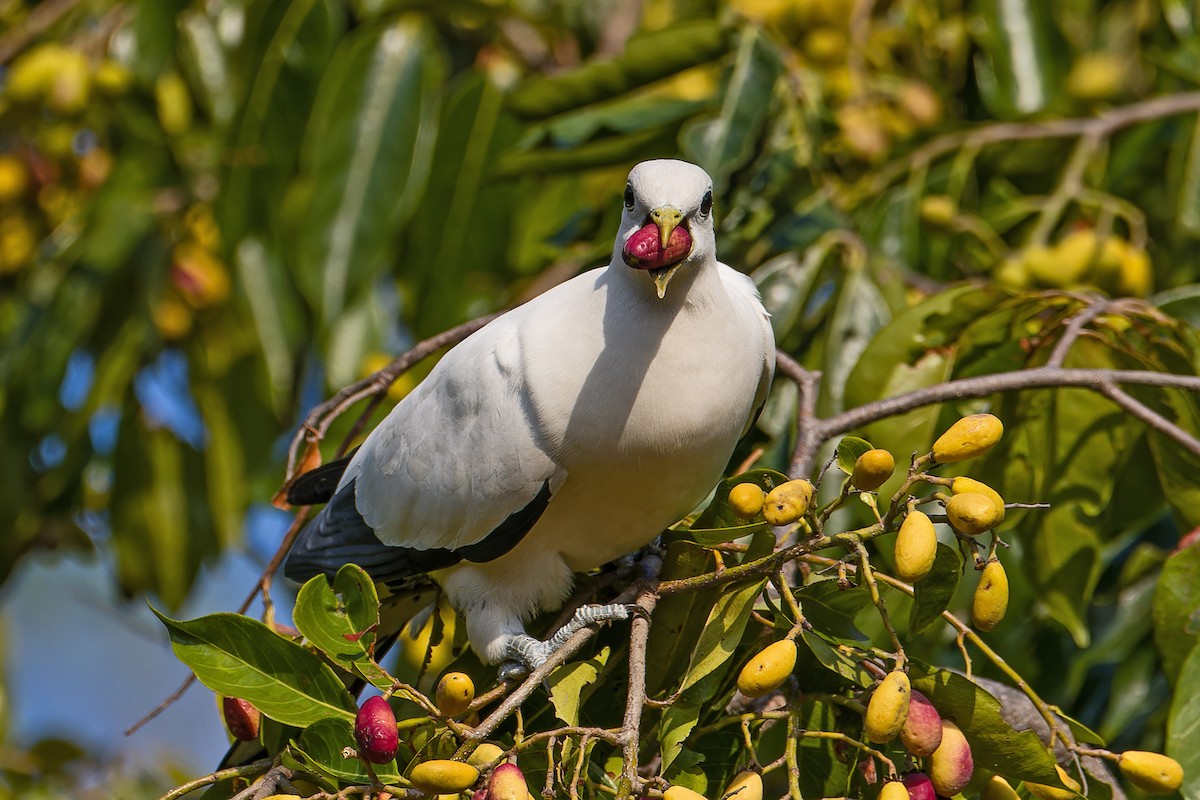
x=1081, y=259
x=746, y=785
x=199, y=278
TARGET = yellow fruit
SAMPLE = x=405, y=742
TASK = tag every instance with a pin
x=17, y=244
x=1136, y=275
x=746, y=500
x=14, y=178
x=788, y=502
x=199, y=275
x=682, y=793
x=441, y=776
x=1153, y=773
x=1044, y=792
x=938, y=210
x=1012, y=273
x=454, y=693
x=95, y=167
x=893, y=790
x=282, y=797
x=991, y=597
x=71, y=87
x=864, y=132
x=1041, y=264
x=964, y=485
x=998, y=789
x=1097, y=76
x=826, y=45
x=32, y=74
x=174, y=103
x=951, y=765
x=112, y=78
x=1072, y=258
x=747, y=785
x=172, y=318
x=916, y=547
x=921, y=103
x=970, y=437
x=972, y=513
x=888, y=708
x=486, y=753
x=767, y=671
x=872, y=469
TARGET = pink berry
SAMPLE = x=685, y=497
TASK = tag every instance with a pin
x=375, y=731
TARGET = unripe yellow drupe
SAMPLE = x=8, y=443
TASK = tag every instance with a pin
x=970, y=437
x=972, y=513
x=486, y=753
x=965, y=485
x=746, y=500
x=443, y=776
x=872, y=469
x=893, y=790
x=991, y=596
x=888, y=708
x=767, y=671
x=454, y=693
x=916, y=547
x=1153, y=773
x=747, y=785
x=682, y=793
x=951, y=766
x=788, y=502
x=998, y=789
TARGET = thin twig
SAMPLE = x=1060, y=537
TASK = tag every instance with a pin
x=253, y=768
x=1151, y=417
x=40, y=19
x=1074, y=328
x=807, y=424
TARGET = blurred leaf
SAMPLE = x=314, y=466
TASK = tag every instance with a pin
x=206, y=63
x=1177, y=610
x=934, y=592
x=365, y=159
x=647, y=57
x=1016, y=66
x=724, y=144
x=341, y=620
x=283, y=54
x=1017, y=755
x=1183, y=726
x=240, y=657
x=320, y=746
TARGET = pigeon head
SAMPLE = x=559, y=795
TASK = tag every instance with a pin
x=667, y=222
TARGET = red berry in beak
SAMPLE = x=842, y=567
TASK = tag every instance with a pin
x=644, y=250
x=375, y=731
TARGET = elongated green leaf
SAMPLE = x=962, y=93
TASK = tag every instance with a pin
x=365, y=159
x=1017, y=755
x=240, y=657
x=935, y=590
x=320, y=748
x=646, y=58
x=340, y=619
x=722, y=632
x=285, y=50
x=568, y=685
x=1183, y=725
x=1016, y=71
x=1177, y=609
x=832, y=609
x=837, y=659
x=724, y=145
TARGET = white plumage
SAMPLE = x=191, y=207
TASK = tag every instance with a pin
x=568, y=432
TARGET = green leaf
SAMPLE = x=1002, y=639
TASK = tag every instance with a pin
x=284, y=52
x=934, y=592
x=341, y=620
x=320, y=748
x=646, y=58
x=838, y=659
x=849, y=450
x=1183, y=725
x=569, y=682
x=995, y=746
x=722, y=632
x=240, y=657
x=1017, y=67
x=832, y=609
x=1176, y=610
x=725, y=144
x=365, y=159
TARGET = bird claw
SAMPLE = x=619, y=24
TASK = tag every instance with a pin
x=525, y=653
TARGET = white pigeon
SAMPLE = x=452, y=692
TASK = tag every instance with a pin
x=564, y=434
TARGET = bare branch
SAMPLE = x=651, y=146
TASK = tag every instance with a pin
x=1151, y=417
x=253, y=768
x=1074, y=328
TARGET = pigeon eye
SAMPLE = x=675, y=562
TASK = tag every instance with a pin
x=629, y=196
x=706, y=204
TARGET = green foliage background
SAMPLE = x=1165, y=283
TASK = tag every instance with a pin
x=283, y=192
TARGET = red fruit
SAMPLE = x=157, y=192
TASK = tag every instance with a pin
x=922, y=731
x=951, y=765
x=507, y=782
x=375, y=731
x=644, y=250
x=919, y=786
x=241, y=718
